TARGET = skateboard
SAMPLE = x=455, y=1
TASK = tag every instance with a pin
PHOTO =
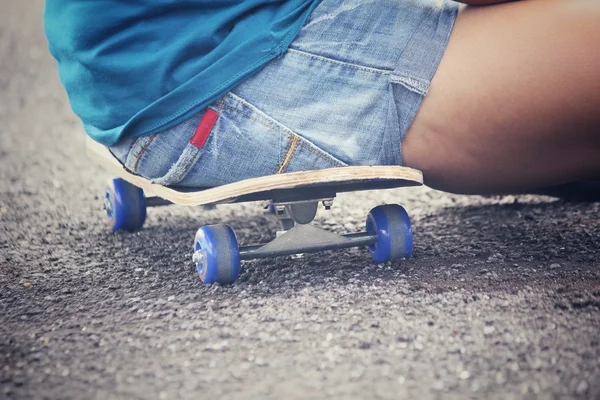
x=293, y=197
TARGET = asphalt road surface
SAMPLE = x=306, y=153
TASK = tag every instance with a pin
x=502, y=298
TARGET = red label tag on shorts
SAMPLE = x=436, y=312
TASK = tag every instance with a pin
x=204, y=127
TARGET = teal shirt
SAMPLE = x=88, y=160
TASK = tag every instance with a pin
x=136, y=67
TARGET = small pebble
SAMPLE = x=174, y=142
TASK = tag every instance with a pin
x=488, y=330
x=582, y=387
x=357, y=372
x=261, y=362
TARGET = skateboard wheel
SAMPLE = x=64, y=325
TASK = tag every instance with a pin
x=391, y=224
x=216, y=254
x=125, y=205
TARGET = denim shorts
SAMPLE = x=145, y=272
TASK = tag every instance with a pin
x=344, y=93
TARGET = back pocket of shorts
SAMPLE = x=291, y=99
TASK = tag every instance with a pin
x=246, y=143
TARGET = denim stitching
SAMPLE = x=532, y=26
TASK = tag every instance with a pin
x=320, y=153
x=136, y=147
x=282, y=129
x=336, y=62
x=297, y=141
x=252, y=118
x=257, y=115
x=289, y=154
x=316, y=151
x=282, y=158
x=221, y=105
x=141, y=153
x=418, y=86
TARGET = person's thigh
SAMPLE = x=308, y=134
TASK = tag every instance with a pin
x=515, y=103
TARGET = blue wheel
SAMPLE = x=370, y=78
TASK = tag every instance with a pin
x=125, y=205
x=394, y=237
x=216, y=254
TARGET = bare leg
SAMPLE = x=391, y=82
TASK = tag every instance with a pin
x=515, y=103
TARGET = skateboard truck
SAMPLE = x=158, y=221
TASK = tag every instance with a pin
x=299, y=236
x=217, y=254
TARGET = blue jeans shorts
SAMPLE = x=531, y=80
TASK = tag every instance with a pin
x=344, y=93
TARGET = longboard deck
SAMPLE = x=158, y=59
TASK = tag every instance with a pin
x=292, y=186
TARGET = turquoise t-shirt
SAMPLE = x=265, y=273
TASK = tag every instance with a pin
x=136, y=67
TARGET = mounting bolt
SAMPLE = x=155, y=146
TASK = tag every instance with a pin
x=280, y=209
x=107, y=205
x=197, y=257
